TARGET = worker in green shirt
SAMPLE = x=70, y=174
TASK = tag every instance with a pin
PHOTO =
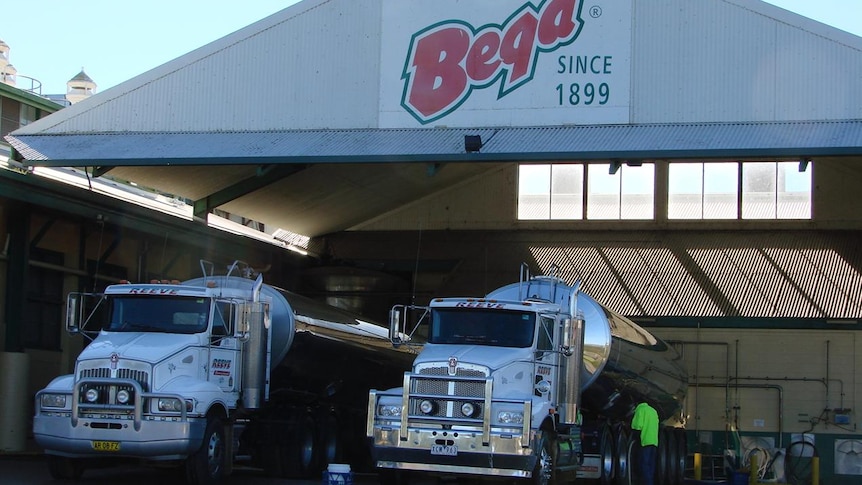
x=645, y=420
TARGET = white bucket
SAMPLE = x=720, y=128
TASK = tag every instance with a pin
x=337, y=474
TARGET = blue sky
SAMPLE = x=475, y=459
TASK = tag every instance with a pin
x=51, y=40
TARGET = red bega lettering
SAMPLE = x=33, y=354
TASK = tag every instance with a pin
x=446, y=61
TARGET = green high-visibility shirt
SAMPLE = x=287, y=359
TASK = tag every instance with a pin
x=646, y=420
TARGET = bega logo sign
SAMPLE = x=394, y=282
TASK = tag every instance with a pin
x=448, y=60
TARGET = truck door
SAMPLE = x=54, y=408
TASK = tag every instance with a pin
x=547, y=360
x=224, y=348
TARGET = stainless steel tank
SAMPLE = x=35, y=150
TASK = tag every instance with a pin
x=623, y=363
x=318, y=350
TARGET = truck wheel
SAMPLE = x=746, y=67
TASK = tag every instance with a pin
x=624, y=444
x=662, y=459
x=543, y=472
x=681, y=454
x=607, y=455
x=329, y=441
x=64, y=468
x=206, y=466
x=300, y=456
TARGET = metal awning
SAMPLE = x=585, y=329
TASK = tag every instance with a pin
x=557, y=143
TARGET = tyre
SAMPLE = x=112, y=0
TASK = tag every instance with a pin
x=681, y=455
x=622, y=462
x=626, y=457
x=663, y=452
x=329, y=442
x=207, y=465
x=300, y=450
x=543, y=472
x=607, y=454
x=64, y=468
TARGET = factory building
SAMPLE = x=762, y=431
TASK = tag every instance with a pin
x=693, y=164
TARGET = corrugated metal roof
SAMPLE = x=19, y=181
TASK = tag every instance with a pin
x=595, y=142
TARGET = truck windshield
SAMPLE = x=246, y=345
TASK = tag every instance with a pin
x=482, y=327
x=173, y=314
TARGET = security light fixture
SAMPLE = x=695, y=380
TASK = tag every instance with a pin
x=472, y=143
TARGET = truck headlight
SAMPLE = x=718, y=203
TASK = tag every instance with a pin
x=92, y=395
x=53, y=400
x=123, y=396
x=389, y=410
x=170, y=404
x=469, y=410
x=510, y=417
x=427, y=407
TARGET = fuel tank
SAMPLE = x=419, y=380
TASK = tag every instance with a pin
x=623, y=364
x=318, y=350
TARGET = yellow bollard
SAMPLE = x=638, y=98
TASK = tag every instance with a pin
x=697, y=466
x=752, y=462
x=815, y=470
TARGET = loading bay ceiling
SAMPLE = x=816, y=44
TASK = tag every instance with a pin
x=318, y=182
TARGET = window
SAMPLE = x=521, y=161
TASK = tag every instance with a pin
x=556, y=192
x=696, y=190
x=625, y=193
x=9, y=116
x=482, y=327
x=546, y=334
x=27, y=115
x=702, y=191
x=775, y=190
x=769, y=190
x=551, y=191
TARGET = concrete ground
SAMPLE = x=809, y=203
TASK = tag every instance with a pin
x=32, y=469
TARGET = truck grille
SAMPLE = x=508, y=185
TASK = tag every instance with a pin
x=447, y=393
x=108, y=392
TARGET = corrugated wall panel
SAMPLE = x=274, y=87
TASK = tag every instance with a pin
x=740, y=60
x=314, y=65
x=755, y=275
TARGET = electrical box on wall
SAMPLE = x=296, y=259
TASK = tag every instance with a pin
x=841, y=416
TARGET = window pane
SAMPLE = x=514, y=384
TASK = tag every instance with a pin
x=27, y=115
x=685, y=191
x=758, y=190
x=638, y=187
x=567, y=191
x=534, y=191
x=603, y=192
x=794, y=191
x=720, y=189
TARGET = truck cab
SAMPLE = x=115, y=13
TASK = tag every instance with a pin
x=159, y=381
x=489, y=394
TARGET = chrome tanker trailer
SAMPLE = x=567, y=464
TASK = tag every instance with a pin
x=213, y=370
x=536, y=380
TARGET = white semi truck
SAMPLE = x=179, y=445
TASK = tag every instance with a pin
x=205, y=372
x=535, y=381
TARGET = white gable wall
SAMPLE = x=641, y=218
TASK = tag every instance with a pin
x=740, y=60
x=312, y=65
x=336, y=64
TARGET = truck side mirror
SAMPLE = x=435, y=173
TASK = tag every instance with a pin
x=74, y=313
x=396, y=315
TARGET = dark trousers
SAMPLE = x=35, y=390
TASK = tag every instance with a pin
x=648, y=458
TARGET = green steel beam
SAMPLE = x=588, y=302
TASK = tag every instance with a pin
x=266, y=175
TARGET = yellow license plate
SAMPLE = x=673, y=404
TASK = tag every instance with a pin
x=106, y=445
